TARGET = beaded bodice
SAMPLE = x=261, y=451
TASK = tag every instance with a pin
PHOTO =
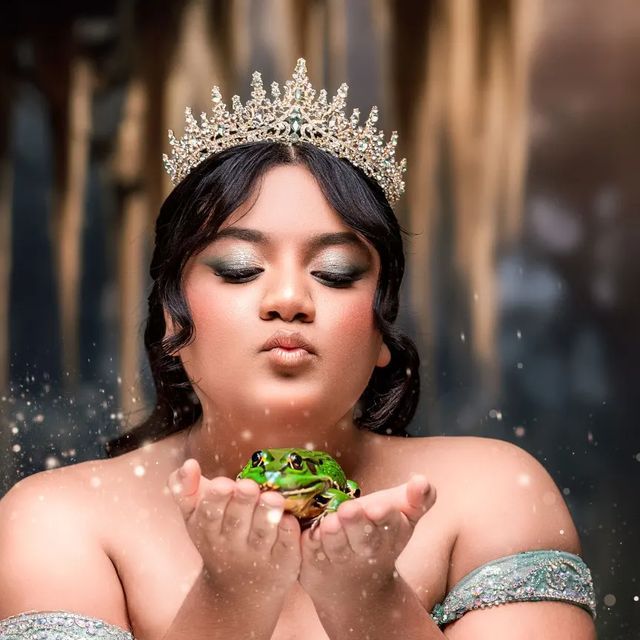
x=59, y=625
x=530, y=575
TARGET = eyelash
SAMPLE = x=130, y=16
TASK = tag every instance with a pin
x=235, y=277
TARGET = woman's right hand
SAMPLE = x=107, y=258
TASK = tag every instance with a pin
x=246, y=541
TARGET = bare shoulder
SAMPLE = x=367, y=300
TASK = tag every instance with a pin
x=508, y=502
x=52, y=555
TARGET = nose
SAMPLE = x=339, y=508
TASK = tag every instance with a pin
x=287, y=298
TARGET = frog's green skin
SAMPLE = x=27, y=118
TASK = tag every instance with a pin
x=312, y=482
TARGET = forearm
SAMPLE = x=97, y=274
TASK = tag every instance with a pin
x=394, y=612
x=207, y=613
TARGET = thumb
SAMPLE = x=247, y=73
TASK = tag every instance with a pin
x=421, y=496
x=184, y=484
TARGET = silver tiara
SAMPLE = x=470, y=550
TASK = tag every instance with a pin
x=293, y=117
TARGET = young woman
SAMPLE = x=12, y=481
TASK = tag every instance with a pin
x=276, y=271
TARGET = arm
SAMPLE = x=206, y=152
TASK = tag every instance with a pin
x=395, y=612
x=348, y=566
x=50, y=559
x=250, y=558
x=512, y=506
x=206, y=608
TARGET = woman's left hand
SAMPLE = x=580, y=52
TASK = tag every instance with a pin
x=352, y=553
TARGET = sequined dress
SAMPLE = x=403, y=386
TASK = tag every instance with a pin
x=526, y=576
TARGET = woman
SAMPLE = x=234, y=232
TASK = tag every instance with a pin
x=280, y=234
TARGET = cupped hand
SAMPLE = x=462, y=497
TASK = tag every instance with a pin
x=353, y=551
x=243, y=536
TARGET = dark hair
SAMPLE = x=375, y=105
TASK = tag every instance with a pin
x=189, y=220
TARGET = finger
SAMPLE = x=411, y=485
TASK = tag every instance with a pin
x=334, y=539
x=361, y=533
x=312, y=545
x=215, y=496
x=386, y=518
x=288, y=531
x=238, y=515
x=184, y=485
x=420, y=497
x=266, y=517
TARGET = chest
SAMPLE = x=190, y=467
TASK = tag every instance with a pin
x=161, y=565
x=157, y=563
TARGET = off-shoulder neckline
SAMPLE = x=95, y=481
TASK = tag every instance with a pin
x=67, y=614
x=519, y=554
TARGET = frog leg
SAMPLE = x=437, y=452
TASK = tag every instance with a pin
x=330, y=499
x=353, y=489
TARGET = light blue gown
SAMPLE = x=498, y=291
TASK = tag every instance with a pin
x=527, y=576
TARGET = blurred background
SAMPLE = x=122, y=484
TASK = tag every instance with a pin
x=520, y=121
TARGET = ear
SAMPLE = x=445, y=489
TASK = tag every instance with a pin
x=384, y=357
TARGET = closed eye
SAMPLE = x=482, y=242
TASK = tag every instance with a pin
x=336, y=280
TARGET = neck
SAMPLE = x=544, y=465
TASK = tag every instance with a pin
x=222, y=445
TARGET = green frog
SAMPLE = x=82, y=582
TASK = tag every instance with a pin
x=312, y=482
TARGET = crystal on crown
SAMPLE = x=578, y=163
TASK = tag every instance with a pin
x=293, y=115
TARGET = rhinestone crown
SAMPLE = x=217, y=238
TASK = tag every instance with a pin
x=292, y=116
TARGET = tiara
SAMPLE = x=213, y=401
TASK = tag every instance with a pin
x=292, y=116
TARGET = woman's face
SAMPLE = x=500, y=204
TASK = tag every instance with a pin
x=281, y=282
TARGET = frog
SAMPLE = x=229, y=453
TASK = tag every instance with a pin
x=312, y=482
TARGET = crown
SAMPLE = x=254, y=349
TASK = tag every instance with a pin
x=292, y=116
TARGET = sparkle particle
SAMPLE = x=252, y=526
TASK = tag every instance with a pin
x=274, y=516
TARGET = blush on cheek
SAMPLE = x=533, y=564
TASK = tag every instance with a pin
x=354, y=328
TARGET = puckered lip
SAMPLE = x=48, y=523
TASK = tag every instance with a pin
x=288, y=340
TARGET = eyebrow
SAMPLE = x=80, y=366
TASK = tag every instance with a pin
x=314, y=243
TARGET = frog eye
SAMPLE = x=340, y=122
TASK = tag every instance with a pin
x=295, y=461
x=257, y=459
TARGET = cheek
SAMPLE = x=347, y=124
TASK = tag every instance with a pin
x=352, y=327
x=218, y=324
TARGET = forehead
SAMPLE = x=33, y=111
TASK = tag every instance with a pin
x=288, y=206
